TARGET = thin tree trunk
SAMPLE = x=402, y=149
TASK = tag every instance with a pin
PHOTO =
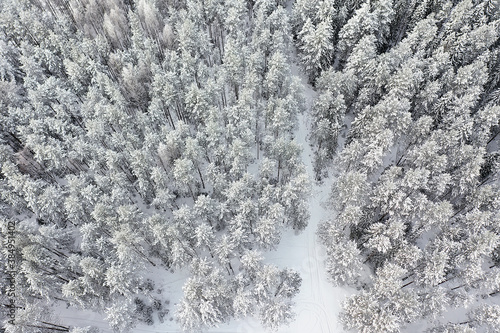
x=201, y=177
x=50, y=328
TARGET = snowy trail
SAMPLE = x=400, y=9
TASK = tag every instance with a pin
x=318, y=303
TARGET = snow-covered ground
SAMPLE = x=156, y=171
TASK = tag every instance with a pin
x=318, y=303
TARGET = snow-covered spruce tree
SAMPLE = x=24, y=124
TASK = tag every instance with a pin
x=415, y=99
x=146, y=135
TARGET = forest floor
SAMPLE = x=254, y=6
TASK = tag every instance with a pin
x=318, y=303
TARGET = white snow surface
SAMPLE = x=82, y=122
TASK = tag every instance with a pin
x=318, y=303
